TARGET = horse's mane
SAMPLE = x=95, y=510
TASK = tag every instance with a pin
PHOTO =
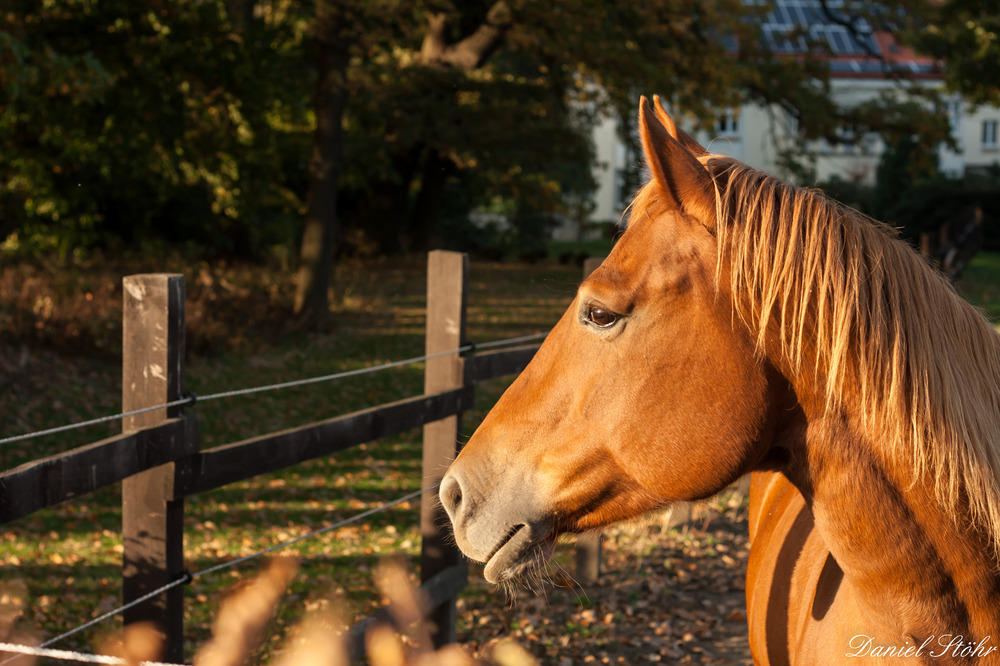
x=857, y=308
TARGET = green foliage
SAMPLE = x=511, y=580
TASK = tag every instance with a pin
x=856, y=195
x=134, y=121
x=143, y=124
x=495, y=134
x=905, y=164
x=929, y=205
x=168, y=122
x=963, y=34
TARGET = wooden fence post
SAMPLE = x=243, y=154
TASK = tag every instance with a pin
x=447, y=286
x=152, y=526
x=925, y=245
x=588, y=545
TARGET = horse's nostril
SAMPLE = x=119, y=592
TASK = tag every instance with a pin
x=451, y=496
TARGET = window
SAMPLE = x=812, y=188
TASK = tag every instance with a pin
x=989, y=134
x=846, y=133
x=792, y=125
x=953, y=108
x=840, y=42
x=728, y=124
x=871, y=144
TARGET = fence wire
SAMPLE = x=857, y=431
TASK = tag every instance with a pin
x=67, y=655
x=190, y=398
x=188, y=577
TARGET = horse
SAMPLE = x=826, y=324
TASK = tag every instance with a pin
x=744, y=325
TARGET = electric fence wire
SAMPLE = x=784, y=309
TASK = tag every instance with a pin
x=189, y=577
x=190, y=398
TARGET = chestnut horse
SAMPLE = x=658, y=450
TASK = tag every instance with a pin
x=745, y=325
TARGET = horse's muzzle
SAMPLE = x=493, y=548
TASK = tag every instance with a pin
x=496, y=523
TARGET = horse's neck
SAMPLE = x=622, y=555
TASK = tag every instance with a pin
x=915, y=571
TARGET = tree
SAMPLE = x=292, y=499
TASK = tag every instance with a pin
x=500, y=97
x=334, y=41
x=128, y=122
x=232, y=126
x=963, y=35
x=316, y=256
x=904, y=163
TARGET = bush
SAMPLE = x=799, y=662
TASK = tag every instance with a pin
x=856, y=195
x=926, y=207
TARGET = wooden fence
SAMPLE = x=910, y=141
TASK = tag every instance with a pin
x=159, y=462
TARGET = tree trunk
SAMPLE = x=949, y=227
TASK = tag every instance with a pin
x=316, y=255
x=383, y=212
x=423, y=230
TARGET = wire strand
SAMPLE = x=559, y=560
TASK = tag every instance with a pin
x=105, y=616
x=103, y=419
x=510, y=341
x=331, y=377
x=191, y=399
x=67, y=655
x=188, y=577
x=322, y=530
x=97, y=620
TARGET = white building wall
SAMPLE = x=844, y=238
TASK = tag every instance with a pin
x=980, y=147
x=759, y=128
x=610, y=158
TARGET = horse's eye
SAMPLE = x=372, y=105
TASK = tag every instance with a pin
x=601, y=317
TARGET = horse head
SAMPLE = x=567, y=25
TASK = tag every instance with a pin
x=648, y=390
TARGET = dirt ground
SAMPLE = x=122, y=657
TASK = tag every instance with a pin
x=670, y=595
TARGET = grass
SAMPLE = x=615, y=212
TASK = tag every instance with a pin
x=58, y=364
x=980, y=284
x=592, y=248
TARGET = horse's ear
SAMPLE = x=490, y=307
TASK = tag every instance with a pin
x=679, y=174
x=673, y=130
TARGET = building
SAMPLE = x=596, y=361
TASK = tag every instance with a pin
x=858, y=73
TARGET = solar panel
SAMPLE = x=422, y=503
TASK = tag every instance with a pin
x=838, y=42
x=769, y=39
x=788, y=16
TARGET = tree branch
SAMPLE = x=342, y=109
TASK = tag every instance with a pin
x=474, y=50
x=850, y=24
x=434, y=44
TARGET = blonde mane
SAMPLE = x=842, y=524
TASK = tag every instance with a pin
x=859, y=310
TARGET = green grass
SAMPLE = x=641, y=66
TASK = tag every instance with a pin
x=980, y=284
x=592, y=248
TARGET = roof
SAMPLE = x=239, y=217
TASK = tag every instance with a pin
x=855, y=49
